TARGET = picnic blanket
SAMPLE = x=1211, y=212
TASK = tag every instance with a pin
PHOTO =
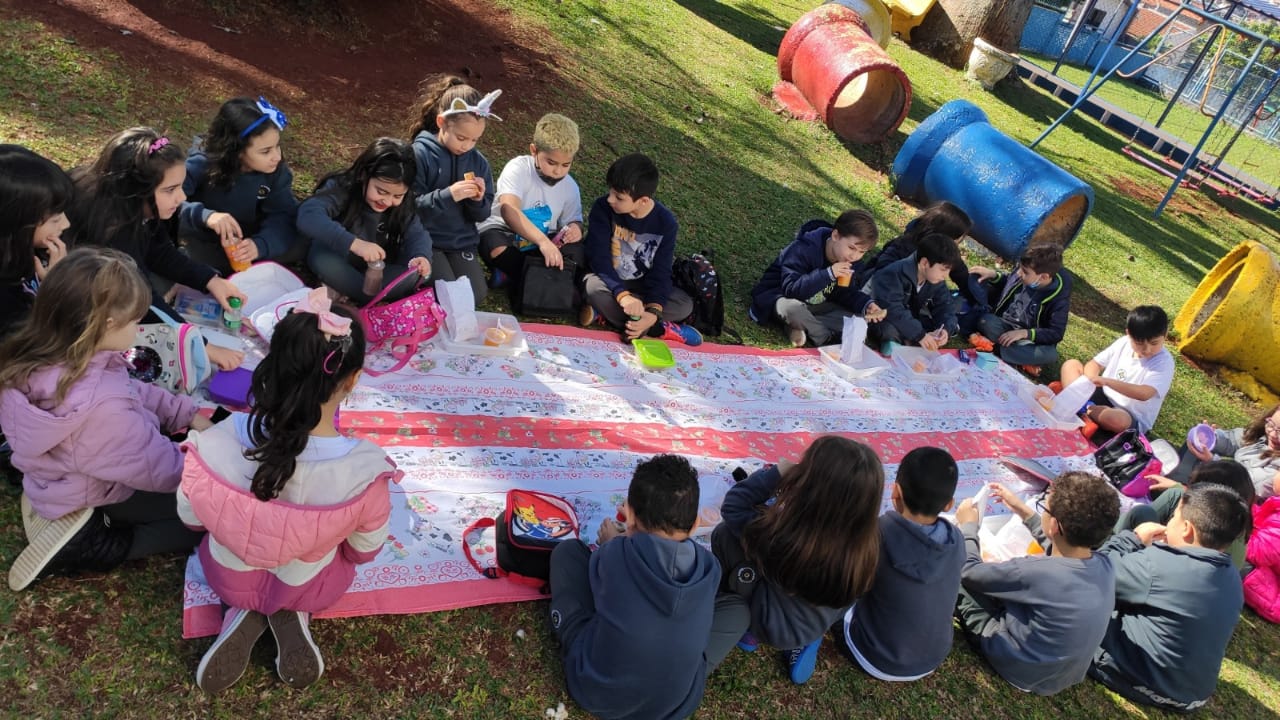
x=574, y=416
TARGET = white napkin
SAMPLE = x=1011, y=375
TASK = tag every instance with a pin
x=853, y=339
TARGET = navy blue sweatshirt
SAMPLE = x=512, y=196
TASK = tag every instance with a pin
x=777, y=617
x=895, y=290
x=902, y=626
x=802, y=271
x=642, y=655
x=1044, y=314
x=318, y=220
x=620, y=247
x=452, y=224
x=262, y=204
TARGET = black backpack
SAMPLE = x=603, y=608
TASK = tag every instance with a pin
x=697, y=276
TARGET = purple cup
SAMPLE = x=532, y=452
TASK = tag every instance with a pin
x=1202, y=437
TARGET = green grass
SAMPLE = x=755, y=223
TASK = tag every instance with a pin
x=1250, y=153
x=689, y=83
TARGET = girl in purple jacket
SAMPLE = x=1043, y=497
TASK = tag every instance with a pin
x=99, y=473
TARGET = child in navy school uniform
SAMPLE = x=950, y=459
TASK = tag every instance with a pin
x=633, y=617
x=240, y=190
x=914, y=295
x=454, y=184
x=823, y=263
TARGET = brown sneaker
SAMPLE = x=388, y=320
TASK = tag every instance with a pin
x=587, y=316
x=46, y=539
x=298, y=660
x=227, y=658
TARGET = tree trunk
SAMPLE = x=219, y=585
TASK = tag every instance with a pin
x=948, y=30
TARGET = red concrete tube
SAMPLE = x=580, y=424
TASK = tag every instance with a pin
x=847, y=78
x=810, y=21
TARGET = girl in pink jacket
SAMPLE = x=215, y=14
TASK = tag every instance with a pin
x=99, y=472
x=291, y=505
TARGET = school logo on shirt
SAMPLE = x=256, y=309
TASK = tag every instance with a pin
x=263, y=192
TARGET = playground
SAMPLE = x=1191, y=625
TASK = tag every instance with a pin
x=690, y=83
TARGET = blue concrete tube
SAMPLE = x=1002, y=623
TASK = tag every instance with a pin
x=1015, y=197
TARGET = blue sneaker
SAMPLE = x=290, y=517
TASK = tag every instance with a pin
x=802, y=661
x=684, y=334
x=748, y=642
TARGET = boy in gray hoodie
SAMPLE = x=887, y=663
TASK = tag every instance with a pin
x=1177, y=602
x=633, y=618
x=1039, y=619
x=901, y=629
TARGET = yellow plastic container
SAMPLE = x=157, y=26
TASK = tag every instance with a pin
x=1233, y=318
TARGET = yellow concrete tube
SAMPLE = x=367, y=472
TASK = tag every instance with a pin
x=1233, y=317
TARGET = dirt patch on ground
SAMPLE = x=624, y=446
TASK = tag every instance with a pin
x=1185, y=200
x=348, y=57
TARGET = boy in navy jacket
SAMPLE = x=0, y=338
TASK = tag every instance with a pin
x=914, y=295
x=1029, y=307
x=901, y=629
x=1177, y=602
x=633, y=618
x=823, y=264
x=630, y=245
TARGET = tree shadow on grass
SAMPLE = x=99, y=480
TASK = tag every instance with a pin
x=755, y=26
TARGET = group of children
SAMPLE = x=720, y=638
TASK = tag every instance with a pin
x=801, y=553
x=116, y=469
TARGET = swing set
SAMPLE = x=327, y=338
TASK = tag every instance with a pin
x=1195, y=169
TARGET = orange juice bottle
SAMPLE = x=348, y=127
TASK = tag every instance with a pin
x=236, y=265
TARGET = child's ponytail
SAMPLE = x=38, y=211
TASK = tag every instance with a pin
x=435, y=95
x=304, y=368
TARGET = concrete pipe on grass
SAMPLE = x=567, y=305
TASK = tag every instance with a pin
x=1015, y=197
x=1233, y=318
x=832, y=69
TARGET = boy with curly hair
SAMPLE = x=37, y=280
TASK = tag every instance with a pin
x=1039, y=619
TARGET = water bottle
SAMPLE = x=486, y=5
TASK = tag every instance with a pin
x=232, y=316
x=373, y=277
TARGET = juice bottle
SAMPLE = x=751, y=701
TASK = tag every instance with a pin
x=229, y=248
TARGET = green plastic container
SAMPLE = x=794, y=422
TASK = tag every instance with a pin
x=653, y=353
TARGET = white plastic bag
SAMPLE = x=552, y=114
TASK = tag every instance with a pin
x=853, y=339
x=459, y=304
x=1068, y=402
x=1004, y=537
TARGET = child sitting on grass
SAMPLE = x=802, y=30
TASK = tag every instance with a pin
x=1227, y=473
x=823, y=264
x=1177, y=602
x=1132, y=375
x=630, y=245
x=901, y=629
x=1039, y=619
x=914, y=295
x=633, y=617
x=1029, y=308
x=539, y=207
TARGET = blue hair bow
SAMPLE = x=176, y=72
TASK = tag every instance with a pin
x=269, y=112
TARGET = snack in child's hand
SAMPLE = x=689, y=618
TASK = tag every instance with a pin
x=468, y=176
x=919, y=366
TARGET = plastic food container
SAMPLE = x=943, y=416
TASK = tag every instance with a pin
x=1202, y=437
x=653, y=353
x=870, y=363
x=507, y=335
x=921, y=364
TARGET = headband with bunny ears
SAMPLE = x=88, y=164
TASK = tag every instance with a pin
x=482, y=108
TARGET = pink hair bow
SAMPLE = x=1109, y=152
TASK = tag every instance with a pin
x=317, y=301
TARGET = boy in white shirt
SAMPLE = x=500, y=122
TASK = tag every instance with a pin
x=538, y=208
x=1132, y=376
